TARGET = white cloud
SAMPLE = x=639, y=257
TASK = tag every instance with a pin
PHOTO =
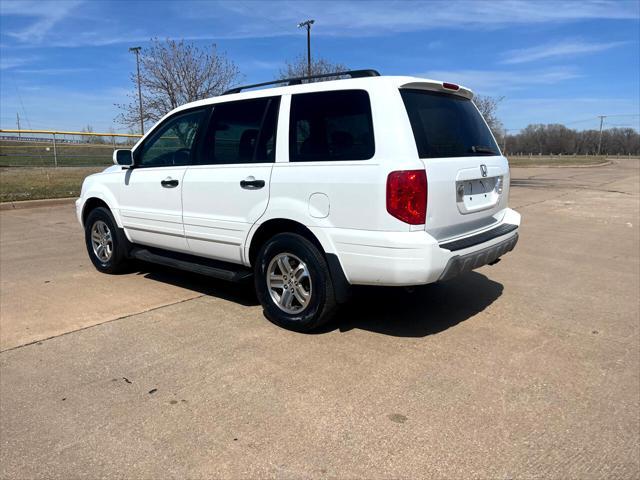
x=263, y=64
x=46, y=14
x=372, y=18
x=495, y=82
x=53, y=71
x=227, y=19
x=566, y=48
x=7, y=63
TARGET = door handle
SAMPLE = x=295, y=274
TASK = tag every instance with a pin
x=169, y=183
x=251, y=183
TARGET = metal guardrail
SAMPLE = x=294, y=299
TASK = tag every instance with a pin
x=67, y=148
x=65, y=132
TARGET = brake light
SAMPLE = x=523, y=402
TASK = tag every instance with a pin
x=407, y=196
x=451, y=86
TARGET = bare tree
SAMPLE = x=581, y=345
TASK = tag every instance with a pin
x=558, y=139
x=319, y=66
x=488, y=107
x=173, y=73
x=91, y=138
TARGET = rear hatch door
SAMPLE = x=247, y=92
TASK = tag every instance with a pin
x=467, y=176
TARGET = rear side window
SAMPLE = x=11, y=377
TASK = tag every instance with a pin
x=242, y=132
x=328, y=126
x=447, y=125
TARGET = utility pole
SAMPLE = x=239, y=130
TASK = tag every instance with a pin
x=307, y=24
x=136, y=50
x=18, y=121
x=601, y=117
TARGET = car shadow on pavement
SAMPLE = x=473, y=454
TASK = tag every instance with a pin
x=427, y=310
x=242, y=293
x=393, y=311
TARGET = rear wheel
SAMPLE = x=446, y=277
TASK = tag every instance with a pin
x=293, y=283
x=105, y=243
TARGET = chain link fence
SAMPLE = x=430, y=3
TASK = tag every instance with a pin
x=49, y=148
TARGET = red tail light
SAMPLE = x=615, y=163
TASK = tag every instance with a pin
x=451, y=86
x=407, y=196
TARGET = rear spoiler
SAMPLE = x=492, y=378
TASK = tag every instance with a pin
x=444, y=87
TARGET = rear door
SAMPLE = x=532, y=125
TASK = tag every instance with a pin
x=151, y=193
x=467, y=176
x=225, y=195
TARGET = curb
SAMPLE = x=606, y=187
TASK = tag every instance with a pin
x=595, y=165
x=47, y=202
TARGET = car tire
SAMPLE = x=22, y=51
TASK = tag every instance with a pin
x=106, y=243
x=288, y=266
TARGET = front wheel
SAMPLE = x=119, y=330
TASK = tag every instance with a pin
x=106, y=244
x=293, y=283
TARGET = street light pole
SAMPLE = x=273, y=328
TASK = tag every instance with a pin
x=602, y=117
x=136, y=50
x=307, y=24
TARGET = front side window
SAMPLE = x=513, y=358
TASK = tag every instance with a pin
x=446, y=125
x=243, y=132
x=173, y=143
x=331, y=126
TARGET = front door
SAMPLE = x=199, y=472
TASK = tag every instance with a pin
x=225, y=195
x=151, y=193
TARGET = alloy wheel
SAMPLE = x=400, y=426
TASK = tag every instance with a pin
x=289, y=283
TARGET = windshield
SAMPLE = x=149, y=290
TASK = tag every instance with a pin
x=447, y=125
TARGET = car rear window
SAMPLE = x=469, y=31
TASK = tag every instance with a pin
x=329, y=126
x=447, y=125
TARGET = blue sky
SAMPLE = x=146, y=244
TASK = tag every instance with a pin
x=64, y=64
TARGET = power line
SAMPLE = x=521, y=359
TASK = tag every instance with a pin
x=581, y=121
x=592, y=119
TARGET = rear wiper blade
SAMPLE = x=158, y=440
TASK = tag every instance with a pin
x=483, y=149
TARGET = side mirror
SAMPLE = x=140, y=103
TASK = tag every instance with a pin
x=123, y=158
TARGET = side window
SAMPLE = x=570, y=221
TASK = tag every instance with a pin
x=242, y=132
x=331, y=126
x=173, y=143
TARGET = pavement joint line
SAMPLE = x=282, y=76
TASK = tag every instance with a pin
x=572, y=190
x=520, y=207
x=123, y=317
x=606, y=191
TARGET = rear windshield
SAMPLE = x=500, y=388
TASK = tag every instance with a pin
x=447, y=125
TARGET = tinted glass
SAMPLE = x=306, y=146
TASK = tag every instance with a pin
x=266, y=151
x=447, y=125
x=331, y=126
x=173, y=143
x=243, y=132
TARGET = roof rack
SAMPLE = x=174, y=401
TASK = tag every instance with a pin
x=298, y=80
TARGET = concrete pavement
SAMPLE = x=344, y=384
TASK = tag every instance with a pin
x=529, y=368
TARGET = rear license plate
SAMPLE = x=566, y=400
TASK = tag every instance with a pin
x=476, y=194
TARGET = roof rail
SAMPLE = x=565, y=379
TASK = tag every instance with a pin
x=298, y=80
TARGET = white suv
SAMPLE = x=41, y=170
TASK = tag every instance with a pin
x=309, y=188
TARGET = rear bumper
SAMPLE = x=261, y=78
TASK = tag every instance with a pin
x=416, y=258
x=465, y=263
